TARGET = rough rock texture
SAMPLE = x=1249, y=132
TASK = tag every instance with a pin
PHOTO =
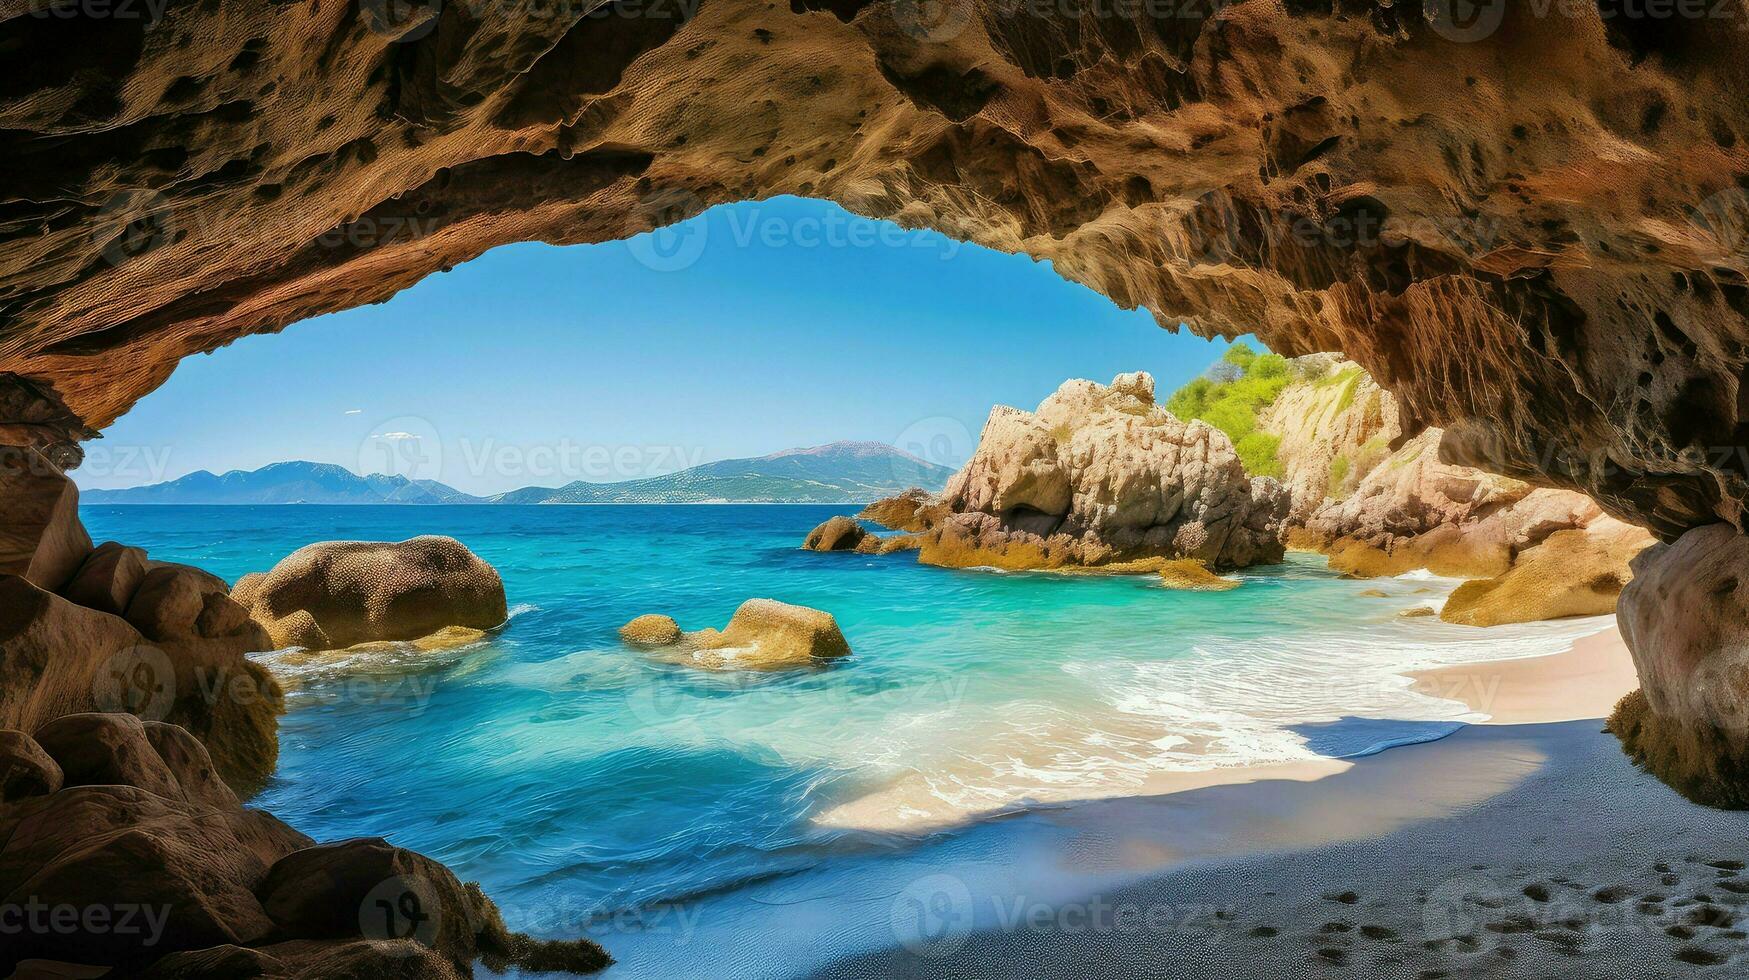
x=1378, y=511
x=57, y=658
x=1192, y=576
x=1334, y=426
x=25, y=769
x=41, y=537
x=143, y=824
x=1576, y=572
x=1682, y=618
x=1101, y=475
x=348, y=592
x=764, y=634
x=914, y=510
x=1524, y=227
x=840, y=533
x=651, y=630
x=108, y=579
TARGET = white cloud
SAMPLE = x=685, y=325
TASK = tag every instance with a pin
x=355, y=411
x=395, y=436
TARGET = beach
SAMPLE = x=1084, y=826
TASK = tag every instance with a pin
x=1526, y=845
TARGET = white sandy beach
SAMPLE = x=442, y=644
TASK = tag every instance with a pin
x=1527, y=846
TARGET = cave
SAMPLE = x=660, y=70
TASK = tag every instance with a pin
x=1530, y=225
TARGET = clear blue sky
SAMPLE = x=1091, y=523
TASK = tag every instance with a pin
x=749, y=329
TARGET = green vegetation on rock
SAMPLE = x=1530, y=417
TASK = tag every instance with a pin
x=1230, y=394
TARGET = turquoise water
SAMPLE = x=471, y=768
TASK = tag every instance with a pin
x=579, y=780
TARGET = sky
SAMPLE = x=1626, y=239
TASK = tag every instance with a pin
x=752, y=328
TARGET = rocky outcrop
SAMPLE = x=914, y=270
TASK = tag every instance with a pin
x=192, y=884
x=764, y=634
x=913, y=511
x=1380, y=511
x=157, y=639
x=839, y=533
x=41, y=539
x=1682, y=618
x=1100, y=475
x=224, y=169
x=1575, y=572
x=340, y=593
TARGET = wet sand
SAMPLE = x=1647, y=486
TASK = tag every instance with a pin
x=1527, y=846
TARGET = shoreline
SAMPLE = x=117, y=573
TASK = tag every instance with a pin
x=1419, y=860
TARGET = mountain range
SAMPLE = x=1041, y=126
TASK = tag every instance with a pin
x=838, y=473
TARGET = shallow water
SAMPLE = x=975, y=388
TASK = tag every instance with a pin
x=577, y=779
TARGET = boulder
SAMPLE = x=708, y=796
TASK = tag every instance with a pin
x=1683, y=619
x=1574, y=572
x=108, y=579
x=1101, y=475
x=25, y=769
x=41, y=538
x=59, y=658
x=103, y=848
x=764, y=634
x=107, y=749
x=914, y=510
x=1193, y=576
x=838, y=533
x=371, y=890
x=179, y=602
x=351, y=592
x=651, y=630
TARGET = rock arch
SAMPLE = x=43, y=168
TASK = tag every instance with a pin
x=1529, y=224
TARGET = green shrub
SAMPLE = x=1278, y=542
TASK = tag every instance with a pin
x=1229, y=399
x=1257, y=454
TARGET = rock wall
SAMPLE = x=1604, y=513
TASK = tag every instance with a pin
x=1524, y=226
x=1376, y=510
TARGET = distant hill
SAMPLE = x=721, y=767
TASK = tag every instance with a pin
x=839, y=473
x=286, y=483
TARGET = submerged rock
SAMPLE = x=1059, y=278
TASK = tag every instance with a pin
x=1100, y=475
x=1194, y=576
x=1683, y=619
x=1578, y=572
x=651, y=630
x=764, y=634
x=341, y=593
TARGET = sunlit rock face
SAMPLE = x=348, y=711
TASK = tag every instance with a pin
x=1527, y=227
x=1099, y=476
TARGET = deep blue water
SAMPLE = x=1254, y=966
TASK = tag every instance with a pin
x=576, y=778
